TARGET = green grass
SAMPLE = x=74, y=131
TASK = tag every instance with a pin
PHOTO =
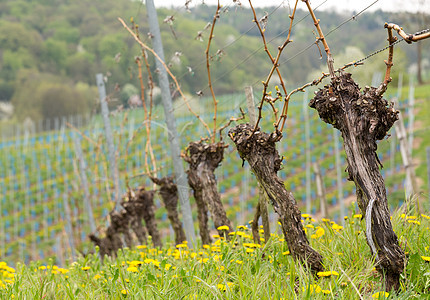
x=237, y=269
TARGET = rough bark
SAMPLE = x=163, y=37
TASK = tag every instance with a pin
x=169, y=195
x=203, y=159
x=202, y=208
x=146, y=209
x=131, y=206
x=120, y=225
x=254, y=225
x=363, y=118
x=104, y=244
x=259, y=149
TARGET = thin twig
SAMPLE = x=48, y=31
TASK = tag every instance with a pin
x=389, y=63
x=81, y=133
x=167, y=70
x=330, y=60
x=275, y=62
x=216, y=16
x=409, y=38
x=232, y=119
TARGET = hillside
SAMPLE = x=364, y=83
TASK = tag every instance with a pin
x=57, y=46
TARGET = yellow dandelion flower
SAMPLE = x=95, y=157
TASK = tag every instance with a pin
x=124, y=292
x=135, y=262
x=223, y=227
x=241, y=227
x=357, y=216
x=337, y=227
x=206, y=247
x=221, y=287
x=63, y=271
x=425, y=216
x=319, y=233
x=249, y=250
x=380, y=295
x=286, y=253
x=181, y=246
x=414, y=222
x=239, y=262
x=327, y=274
x=426, y=258
x=97, y=276
x=85, y=268
x=132, y=269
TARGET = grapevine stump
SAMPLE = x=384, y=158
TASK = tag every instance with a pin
x=120, y=225
x=132, y=208
x=146, y=208
x=363, y=117
x=259, y=149
x=169, y=195
x=203, y=159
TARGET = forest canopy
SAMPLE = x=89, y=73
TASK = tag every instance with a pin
x=54, y=48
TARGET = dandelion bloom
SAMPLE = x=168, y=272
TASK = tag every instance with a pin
x=379, y=295
x=223, y=227
x=327, y=274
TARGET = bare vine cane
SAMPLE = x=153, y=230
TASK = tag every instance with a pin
x=275, y=66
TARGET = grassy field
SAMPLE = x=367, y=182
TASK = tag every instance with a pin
x=40, y=175
x=235, y=269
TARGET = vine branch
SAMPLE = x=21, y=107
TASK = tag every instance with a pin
x=330, y=60
x=275, y=65
x=216, y=16
x=143, y=45
x=409, y=38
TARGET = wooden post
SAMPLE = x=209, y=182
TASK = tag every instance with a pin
x=109, y=139
x=339, y=174
x=181, y=179
x=68, y=226
x=410, y=185
x=84, y=183
x=428, y=171
x=262, y=202
x=411, y=116
x=308, y=154
x=321, y=190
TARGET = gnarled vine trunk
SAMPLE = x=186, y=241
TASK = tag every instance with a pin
x=169, y=195
x=131, y=206
x=259, y=149
x=120, y=225
x=145, y=209
x=363, y=118
x=203, y=159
